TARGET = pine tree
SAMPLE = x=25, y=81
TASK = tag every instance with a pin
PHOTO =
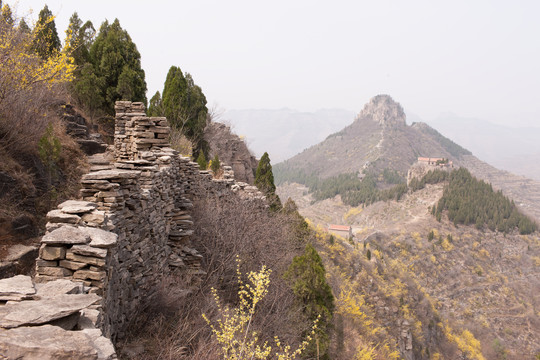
x=264, y=180
x=47, y=41
x=6, y=14
x=155, y=107
x=80, y=38
x=201, y=160
x=215, y=165
x=113, y=72
x=23, y=27
x=308, y=278
x=184, y=105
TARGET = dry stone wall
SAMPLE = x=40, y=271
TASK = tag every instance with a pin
x=132, y=223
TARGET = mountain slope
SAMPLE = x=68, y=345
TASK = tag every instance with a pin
x=515, y=149
x=379, y=138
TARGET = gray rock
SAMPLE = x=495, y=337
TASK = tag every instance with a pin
x=59, y=287
x=77, y=207
x=19, y=251
x=88, y=319
x=43, y=311
x=103, y=345
x=72, y=265
x=95, y=217
x=54, y=272
x=111, y=174
x=100, y=238
x=16, y=288
x=66, y=235
x=87, y=250
x=58, y=216
x=46, y=343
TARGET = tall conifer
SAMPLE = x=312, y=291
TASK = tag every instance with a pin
x=264, y=180
x=47, y=41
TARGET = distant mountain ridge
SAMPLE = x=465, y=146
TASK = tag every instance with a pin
x=285, y=132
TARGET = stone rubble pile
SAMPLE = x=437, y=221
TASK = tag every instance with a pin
x=56, y=320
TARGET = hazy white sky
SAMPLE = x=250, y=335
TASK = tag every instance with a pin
x=476, y=58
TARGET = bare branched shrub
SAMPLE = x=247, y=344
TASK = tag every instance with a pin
x=180, y=142
x=31, y=93
x=224, y=229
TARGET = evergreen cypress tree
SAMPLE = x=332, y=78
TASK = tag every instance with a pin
x=215, y=165
x=47, y=41
x=113, y=72
x=184, y=105
x=201, y=160
x=81, y=39
x=155, y=107
x=264, y=180
x=309, y=284
x=7, y=14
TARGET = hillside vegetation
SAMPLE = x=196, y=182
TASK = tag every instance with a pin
x=470, y=201
x=39, y=163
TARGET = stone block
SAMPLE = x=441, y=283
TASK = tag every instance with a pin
x=72, y=265
x=59, y=287
x=88, y=274
x=100, y=238
x=87, y=250
x=69, y=235
x=84, y=259
x=96, y=217
x=58, y=216
x=50, y=263
x=76, y=206
x=16, y=288
x=53, y=271
x=52, y=252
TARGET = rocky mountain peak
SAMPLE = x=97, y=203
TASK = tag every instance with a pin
x=383, y=110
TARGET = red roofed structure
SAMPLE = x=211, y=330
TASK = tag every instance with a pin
x=344, y=231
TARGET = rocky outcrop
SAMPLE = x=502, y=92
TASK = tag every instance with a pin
x=231, y=150
x=383, y=110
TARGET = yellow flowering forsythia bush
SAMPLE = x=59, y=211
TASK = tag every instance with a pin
x=232, y=331
x=21, y=67
x=29, y=85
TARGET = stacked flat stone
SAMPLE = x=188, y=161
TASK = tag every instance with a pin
x=133, y=224
x=72, y=247
x=56, y=320
x=135, y=132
